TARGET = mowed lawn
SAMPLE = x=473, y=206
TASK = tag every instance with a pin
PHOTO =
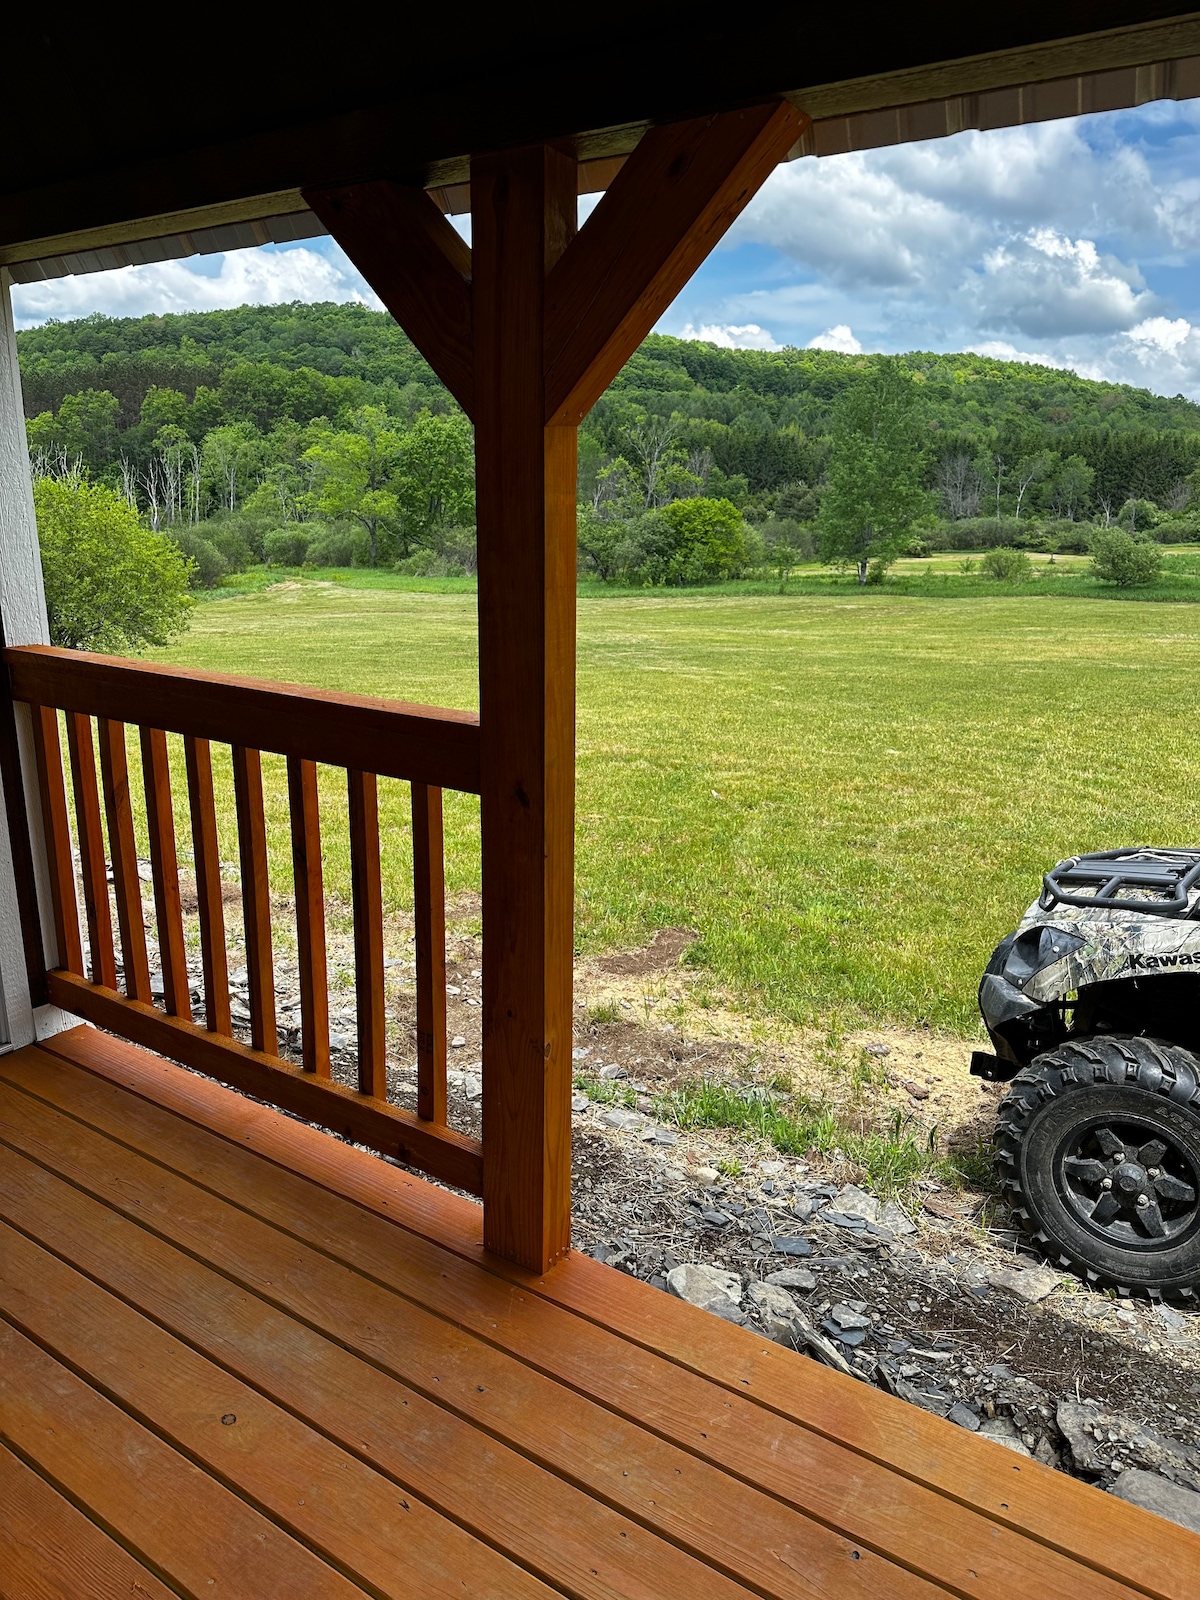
x=849, y=798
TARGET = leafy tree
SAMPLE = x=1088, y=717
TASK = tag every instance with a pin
x=1118, y=558
x=111, y=583
x=355, y=477
x=83, y=432
x=434, y=479
x=710, y=539
x=874, y=491
x=1071, y=487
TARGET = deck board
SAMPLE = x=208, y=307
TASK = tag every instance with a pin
x=577, y=1434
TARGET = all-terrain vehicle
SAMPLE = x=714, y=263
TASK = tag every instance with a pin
x=1093, y=1009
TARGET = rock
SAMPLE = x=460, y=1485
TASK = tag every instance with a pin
x=1030, y=1284
x=613, y=1072
x=580, y=1052
x=1003, y=1430
x=473, y=1086
x=457, y=1042
x=963, y=1416
x=707, y=1287
x=776, y=1310
x=848, y=1336
x=895, y=1219
x=877, y=1049
x=621, y=1117
x=705, y=1176
x=1096, y=1435
x=916, y=1091
x=792, y=1278
x=803, y=1336
x=791, y=1244
x=1160, y=1495
x=579, y=1102
x=852, y=1201
x=802, y=1208
x=840, y=1219
x=717, y=1219
x=847, y=1317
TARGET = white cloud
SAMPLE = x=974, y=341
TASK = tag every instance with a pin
x=1047, y=285
x=731, y=335
x=243, y=277
x=1001, y=350
x=840, y=338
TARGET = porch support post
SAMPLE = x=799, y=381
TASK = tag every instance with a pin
x=27, y=940
x=523, y=206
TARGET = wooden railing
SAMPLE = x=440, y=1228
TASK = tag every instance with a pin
x=432, y=749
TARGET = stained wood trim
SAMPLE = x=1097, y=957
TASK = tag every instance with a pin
x=210, y=906
x=417, y=263
x=127, y=886
x=93, y=865
x=160, y=820
x=389, y=737
x=666, y=209
x=52, y=791
x=256, y=898
x=310, y=915
x=444, y=1154
x=367, y=893
x=429, y=919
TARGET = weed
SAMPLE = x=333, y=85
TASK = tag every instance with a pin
x=604, y=1011
x=606, y=1091
x=731, y=1167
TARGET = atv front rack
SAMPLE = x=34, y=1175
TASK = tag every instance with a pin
x=1140, y=879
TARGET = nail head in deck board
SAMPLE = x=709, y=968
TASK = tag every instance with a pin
x=417, y=263
x=883, y=1513
x=50, y=1551
x=319, y=1494
x=122, y=848
x=92, y=863
x=389, y=737
x=170, y=1513
x=1050, y=1509
x=549, y=1525
x=256, y=898
x=429, y=927
x=53, y=795
x=443, y=1153
x=304, y=805
x=206, y=854
x=164, y=865
x=366, y=886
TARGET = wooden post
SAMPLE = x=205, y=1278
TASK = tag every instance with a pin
x=526, y=330
x=523, y=206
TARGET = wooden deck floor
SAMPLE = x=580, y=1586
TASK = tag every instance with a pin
x=240, y=1359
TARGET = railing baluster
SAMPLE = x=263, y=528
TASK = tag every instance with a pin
x=256, y=897
x=160, y=819
x=310, y=915
x=94, y=867
x=53, y=791
x=429, y=915
x=207, y=855
x=367, y=888
x=114, y=771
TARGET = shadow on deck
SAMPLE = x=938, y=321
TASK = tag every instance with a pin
x=240, y=1358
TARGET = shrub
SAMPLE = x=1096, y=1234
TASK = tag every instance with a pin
x=287, y=547
x=709, y=537
x=1119, y=559
x=1007, y=565
x=1070, y=538
x=230, y=542
x=331, y=547
x=111, y=582
x=208, y=564
x=971, y=533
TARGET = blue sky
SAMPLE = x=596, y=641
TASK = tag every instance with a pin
x=1075, y=243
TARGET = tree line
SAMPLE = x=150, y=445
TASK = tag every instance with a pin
x=316, y=433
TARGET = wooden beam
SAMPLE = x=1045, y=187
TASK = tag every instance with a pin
x=418, y=265
x=667, y=208
x=523, y=219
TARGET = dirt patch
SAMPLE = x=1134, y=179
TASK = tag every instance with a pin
x=189, y=899
x=662, y=953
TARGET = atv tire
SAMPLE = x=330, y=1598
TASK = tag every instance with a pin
x=1098, y=1154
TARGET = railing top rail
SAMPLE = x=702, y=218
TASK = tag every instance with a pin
x=392, y=738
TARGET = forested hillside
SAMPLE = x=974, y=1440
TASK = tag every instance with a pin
x=321, y=425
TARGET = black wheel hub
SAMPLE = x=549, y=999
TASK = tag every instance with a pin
x=1130, y=1183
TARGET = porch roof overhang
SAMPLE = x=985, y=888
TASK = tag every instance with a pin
x=88, y=188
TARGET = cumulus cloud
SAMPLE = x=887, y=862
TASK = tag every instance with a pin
x=731, y=335
x=242, y=277
x=1046, y=285
x=840, y=338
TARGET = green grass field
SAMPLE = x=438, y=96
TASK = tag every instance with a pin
x=850, y=795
